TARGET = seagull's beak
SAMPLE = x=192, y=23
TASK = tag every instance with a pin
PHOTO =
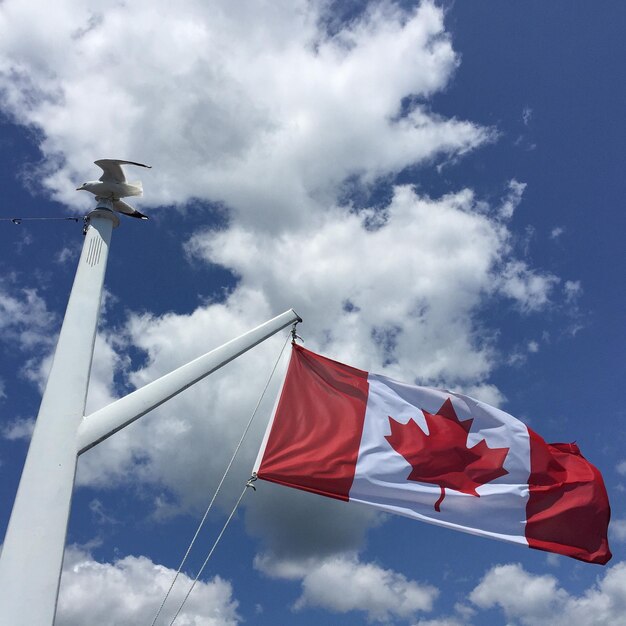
x=79, y=188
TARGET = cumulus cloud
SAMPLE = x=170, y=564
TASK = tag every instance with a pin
x=380, y=593
x=130, y=590
x=518, y=593
x=399, y=295
x=244, y=105
x=533, y=600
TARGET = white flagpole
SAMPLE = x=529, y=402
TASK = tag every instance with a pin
x=32, y=554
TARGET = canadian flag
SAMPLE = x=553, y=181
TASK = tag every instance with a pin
x=433, y=455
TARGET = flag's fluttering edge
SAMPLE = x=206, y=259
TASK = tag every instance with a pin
x=433, y=455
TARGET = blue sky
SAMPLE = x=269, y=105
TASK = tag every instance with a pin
x=437, y=189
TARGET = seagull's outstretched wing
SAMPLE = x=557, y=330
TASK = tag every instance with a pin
x=112, y=170
x=126, y=209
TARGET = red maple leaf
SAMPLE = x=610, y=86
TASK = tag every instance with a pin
x=442, y=457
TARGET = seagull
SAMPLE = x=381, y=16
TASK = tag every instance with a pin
x=112, y=185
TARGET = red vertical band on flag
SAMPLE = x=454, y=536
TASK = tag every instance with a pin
x=315, y=436
x=568, y=508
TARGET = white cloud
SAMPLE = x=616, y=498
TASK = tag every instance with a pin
x=107, y=364
x=572, y=290
x=621, y=468
x=411, y=283
x=618, y=529
x=380, y=593
x=3, y=393
x=556, y=232
x=130, y=590
x=553, y=560
x=529, y=288
x=516, y=359
x=518, y=593
x=20, y=428
x=441, y=621
x=513, y=198
x=519, y=355
x=533, y=600
x=67, y=254
x=99, y=514
x=244, y=104
x=484, y=392
x=24, y=317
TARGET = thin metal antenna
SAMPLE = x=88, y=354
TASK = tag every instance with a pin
x=19, y=220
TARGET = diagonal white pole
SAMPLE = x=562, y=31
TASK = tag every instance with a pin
x=32, y=554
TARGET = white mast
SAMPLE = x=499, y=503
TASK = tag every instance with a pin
x=32, y=554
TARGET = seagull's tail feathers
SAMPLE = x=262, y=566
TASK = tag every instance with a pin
x=126, y=209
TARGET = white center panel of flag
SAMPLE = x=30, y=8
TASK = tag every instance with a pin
x=381, y=476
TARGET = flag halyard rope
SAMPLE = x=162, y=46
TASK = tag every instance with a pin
x=210, y=554
x=213, y=498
